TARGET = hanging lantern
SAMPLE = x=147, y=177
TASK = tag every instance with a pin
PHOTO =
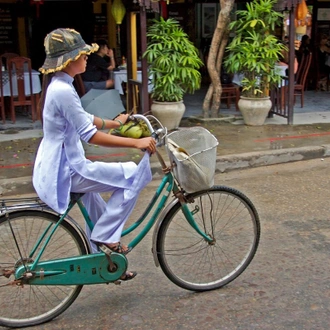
x=302, y=10
x=118, y=11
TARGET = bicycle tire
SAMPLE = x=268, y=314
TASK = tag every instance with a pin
x=192, y=263
x=29, y=305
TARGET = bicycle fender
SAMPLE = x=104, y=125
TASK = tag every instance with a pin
x=42, y=207
x=157, y=226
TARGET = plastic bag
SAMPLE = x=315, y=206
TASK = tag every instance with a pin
x=191, y=175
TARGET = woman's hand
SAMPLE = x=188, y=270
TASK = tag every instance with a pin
x=122, y=117
x=147, y=143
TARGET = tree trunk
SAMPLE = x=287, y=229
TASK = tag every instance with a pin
x=212, y=99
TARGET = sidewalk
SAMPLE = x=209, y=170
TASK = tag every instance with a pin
x=239, y=147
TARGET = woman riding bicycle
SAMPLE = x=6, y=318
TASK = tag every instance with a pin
x=61, y=167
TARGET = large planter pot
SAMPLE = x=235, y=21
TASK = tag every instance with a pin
x=254, y=110
x=168, y=113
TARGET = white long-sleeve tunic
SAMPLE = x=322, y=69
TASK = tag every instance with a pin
x=65, y=124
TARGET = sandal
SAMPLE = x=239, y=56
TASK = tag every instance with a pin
x=128, y=276
x=118, y=248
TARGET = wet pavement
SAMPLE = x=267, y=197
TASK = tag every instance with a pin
x=17, y=155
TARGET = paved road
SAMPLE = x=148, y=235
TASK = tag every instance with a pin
x=287, y=286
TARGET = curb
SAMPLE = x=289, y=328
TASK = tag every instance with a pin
x=270, y=157
x=262, y=158
x=23, y=185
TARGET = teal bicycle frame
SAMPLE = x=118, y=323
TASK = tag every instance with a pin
x=94, y=268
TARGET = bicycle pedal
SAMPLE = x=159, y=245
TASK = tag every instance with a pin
x=105, y=249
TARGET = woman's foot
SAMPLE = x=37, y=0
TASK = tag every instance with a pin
x=118, y=248
x=128, y=276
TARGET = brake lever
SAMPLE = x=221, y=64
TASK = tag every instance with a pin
x=132, y=118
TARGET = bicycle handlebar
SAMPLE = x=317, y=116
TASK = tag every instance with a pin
x=145, y=119
x=157, y=134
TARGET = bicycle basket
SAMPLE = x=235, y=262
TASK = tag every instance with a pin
x=193, y=150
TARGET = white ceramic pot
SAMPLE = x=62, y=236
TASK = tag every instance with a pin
x=168, y=113
x=254, y=110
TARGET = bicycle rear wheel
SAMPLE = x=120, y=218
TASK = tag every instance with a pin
x=28, y=305
x=191, y=262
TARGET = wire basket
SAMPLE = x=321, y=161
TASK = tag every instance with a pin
x=193, y=152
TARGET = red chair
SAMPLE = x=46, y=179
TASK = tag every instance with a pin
x=5, y=57
x=2, y=99
x=301, y=76
x=230, y=92
x=78, y=84
x=20, y=76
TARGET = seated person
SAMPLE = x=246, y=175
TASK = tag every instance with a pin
x=304, y=48
x=97, y=74
x=323, y=62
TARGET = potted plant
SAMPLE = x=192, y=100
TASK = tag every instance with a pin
x=254, y=52
x=173, y=65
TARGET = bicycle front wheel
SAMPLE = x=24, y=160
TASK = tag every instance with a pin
x=28, y=305
x=188, y=260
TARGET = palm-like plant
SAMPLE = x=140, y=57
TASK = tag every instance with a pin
x=173, y=61
x=254, y=51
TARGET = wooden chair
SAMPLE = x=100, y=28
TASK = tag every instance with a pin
x=5, y=57
x=300, y=84
x=229, y=92
x=79, y=85
x=2, y=99
x=20, y=76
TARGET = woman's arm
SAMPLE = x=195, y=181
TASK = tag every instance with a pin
x=108, y=140
x=112, y=60
x=295, y=67
x=101, y=123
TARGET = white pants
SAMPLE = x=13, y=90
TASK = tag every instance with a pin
x=109, y=217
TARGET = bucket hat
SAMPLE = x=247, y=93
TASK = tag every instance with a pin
x=63, y=46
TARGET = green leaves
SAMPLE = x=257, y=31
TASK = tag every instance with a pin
x=173, y=61
x=254, y=51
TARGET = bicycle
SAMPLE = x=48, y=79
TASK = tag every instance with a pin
x=202, y=241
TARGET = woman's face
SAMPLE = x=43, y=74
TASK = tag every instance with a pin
x=103, y=50
x=76, y=67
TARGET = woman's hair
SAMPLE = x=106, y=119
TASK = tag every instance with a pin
x=46, y=79
x=102, y=43
x=304, y=38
